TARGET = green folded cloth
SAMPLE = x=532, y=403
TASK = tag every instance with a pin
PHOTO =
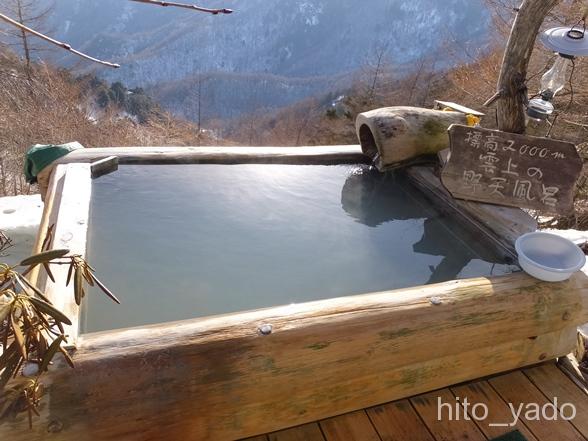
x=40, y=156
x=511, y=436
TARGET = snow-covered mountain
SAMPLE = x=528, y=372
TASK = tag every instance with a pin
x=294, y=45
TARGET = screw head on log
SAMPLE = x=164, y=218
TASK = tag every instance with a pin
x=265, y=329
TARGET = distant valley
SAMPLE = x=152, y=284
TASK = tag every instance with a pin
x=267, y=54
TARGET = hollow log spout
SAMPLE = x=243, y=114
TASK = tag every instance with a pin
x=395, y=136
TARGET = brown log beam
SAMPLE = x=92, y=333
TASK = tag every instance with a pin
x=511, y=84
x=220, y=378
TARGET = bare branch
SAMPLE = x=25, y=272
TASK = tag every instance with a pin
x=65, y=46
x=185, y=5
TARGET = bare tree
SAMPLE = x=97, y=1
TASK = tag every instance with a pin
x=308, y=115
x=375, y=68
x=195, y=102
x=512, y=84
x=28, y=13
x=24, y=29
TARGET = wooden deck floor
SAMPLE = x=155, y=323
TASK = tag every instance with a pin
x=416, y=418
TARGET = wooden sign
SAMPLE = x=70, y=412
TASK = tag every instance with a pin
x=509, y=169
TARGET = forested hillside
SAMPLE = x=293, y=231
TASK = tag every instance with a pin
x=267, y=54
x=42, y=104
x=329, y=118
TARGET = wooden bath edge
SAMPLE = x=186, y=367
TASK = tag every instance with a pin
x=221, y=378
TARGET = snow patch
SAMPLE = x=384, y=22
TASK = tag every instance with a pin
x=20, y=212
x=20, y=217
x=310, y=12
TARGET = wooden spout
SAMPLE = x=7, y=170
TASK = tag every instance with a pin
x=393, y=136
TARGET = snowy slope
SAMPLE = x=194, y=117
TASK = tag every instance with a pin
x=286, y=38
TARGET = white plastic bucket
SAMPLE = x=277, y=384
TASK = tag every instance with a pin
x=549, y=257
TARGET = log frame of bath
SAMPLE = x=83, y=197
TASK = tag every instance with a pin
x=219, y=378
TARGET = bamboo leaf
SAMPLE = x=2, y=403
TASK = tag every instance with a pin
x=50, y=310
x=60, y=327
x=48, y=238
x=69, y=273
x=78, y=288
x=67, y=357
x=48, y=271
x=50, y=353
x=18, y=335
x=105, y=290
x=88, y=276
x=42, y=343
x=44, y=257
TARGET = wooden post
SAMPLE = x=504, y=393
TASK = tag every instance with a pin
x=512, y=89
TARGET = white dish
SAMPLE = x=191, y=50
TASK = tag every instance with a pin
x=549, y=257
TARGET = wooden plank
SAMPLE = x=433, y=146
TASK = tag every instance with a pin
x=398, y=421
x=499, y=416
x=502, y=225
x=257, y=438
x=569, y=365
x=70, y=232
x=355, y=426
x=510, y=169
x=442, y=105
x=554, y=383
x=104, y=166
x=306, y=432
x=443, y=426
x=515, y=388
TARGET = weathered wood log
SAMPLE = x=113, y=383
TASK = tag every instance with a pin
x=219, y=378
x=512, y=88
x=319, y=155
x=393, y=136
x=322, y=155
x=70, y=231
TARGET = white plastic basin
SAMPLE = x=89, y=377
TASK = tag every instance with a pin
x=549, y=257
